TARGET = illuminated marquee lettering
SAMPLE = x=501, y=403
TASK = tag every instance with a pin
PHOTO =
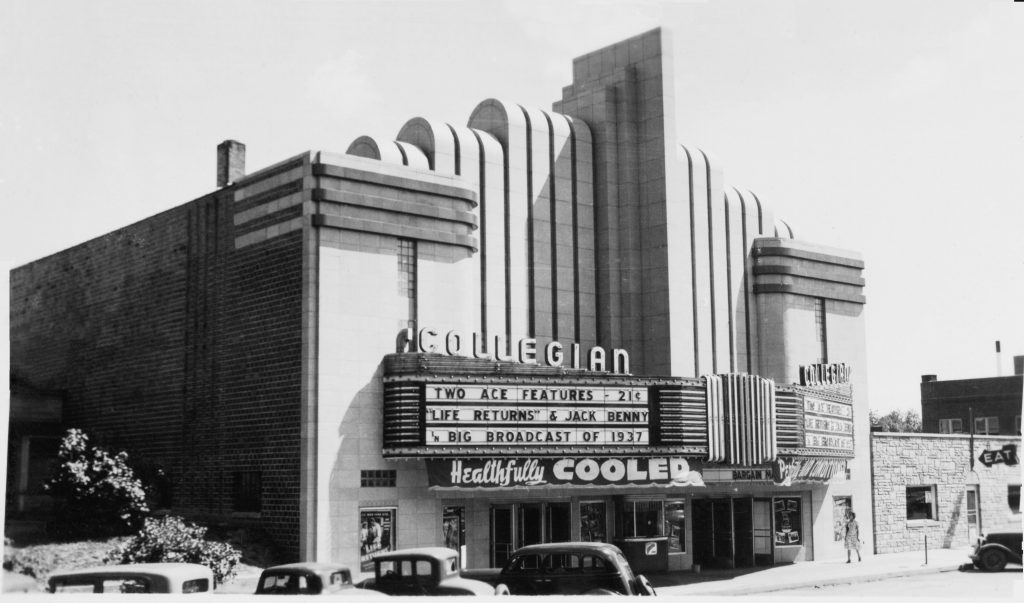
x=535, y=415
x=523, y=351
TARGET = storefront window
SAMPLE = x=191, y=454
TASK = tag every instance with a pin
x=921, y=502
x=592, y=522
x=642, y=518
x=453, y=528
x=787, y=522
x=376, y=535
x=675, y=525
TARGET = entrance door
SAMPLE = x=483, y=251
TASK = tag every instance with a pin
x=703, y=532
x=502, y=534
x=762, y=528
x=973, y=516
x=743, y=524
x=559, y=522
x=724, y=554
x=530, y=524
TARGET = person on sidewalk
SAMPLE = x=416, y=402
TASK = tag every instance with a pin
x=851, y=535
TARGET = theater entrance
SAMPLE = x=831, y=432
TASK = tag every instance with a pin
x=517, y=525
x=732, y=532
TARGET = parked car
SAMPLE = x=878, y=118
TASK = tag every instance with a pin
x=566, y=568
x=178, y=578
x=993, y=551
x=308, y=578
x=430, y=571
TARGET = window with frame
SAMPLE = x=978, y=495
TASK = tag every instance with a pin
x=642, y=518
x=247, y=491
x=820, y=330
x=407, y=261
x=986, y=425
x=1013, y=497
x=377, y=478
x=922, y=503
x=951, y=426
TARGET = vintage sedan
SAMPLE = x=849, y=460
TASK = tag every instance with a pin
x=993, y=551
x=177, y=578
x=432, y=571
x=566, y=568
x=308, y=578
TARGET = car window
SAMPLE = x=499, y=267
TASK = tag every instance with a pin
x=126, y=585
x=199, y=585
x=525, y=564
x=594, y=563
x=451, y=566
x=73, y=587
x=561, y=562
x=286, y=583
x=339, y=578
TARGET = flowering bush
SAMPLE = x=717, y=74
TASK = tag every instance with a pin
x=98, y=493
x=172, y=539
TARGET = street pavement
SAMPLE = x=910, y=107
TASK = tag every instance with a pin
x=809, y=573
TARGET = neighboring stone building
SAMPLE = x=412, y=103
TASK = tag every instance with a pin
x=924, y=487
x=348, y=349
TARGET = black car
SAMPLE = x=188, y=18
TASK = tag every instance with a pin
x=566, y=568
x=993, y=551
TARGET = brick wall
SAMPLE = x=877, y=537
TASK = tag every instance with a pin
x=174, y=346
x=901, y=460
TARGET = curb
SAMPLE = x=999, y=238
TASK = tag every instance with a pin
x=836, y=581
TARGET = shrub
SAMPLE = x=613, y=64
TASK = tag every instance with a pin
x=98, y=492
x=172, y=539
x=40, y=560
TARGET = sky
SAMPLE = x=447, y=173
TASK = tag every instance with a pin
x=894, y=129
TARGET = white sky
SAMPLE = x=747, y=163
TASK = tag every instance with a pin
x=889, y=128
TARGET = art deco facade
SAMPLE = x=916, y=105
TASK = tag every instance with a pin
x=540, y=325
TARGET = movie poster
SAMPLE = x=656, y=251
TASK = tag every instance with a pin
x=841, y=508
x=787, y=521
x=376, y=535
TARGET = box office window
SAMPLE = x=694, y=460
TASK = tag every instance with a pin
x=641, y=518
x=247, y=491
x=921, y=502
x=1013, y=497
x=951, y=426
x=788, y=522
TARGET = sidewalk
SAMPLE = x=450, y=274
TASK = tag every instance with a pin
x=808, y=573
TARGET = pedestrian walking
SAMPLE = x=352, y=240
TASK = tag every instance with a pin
x=851, y=536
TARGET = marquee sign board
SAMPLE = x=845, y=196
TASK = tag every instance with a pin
x=519, y=472
x=828, y=425
x=535, y=415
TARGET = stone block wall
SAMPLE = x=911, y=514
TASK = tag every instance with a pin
x=900, y=460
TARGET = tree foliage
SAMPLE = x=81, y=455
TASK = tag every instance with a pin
x=97, y=492
x=172, y=539
x=906, y=422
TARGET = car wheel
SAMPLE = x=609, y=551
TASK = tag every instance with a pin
x=501, y=589
x=993, y=560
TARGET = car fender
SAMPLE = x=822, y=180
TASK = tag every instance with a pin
x=1010, y=554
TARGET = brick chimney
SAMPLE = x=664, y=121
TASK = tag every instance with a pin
x=230, y=162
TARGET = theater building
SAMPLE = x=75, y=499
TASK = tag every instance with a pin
x=539, y=325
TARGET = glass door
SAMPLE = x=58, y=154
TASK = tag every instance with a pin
x=502, y=534
x=762, y=512
x=973, y=515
